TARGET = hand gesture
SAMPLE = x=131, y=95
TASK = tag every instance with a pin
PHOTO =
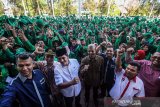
x=76, y=80
x=21, y=35
x=39, y=50
x=41, y=66
x=130, y=50
x=103, y=43
x=109, y=44
x=120, y=52
x=49, y=33
x=86, y=67
x=7, y=64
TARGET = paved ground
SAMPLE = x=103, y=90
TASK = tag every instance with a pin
x=91, y=104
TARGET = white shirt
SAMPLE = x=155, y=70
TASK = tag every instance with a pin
x=64, y=74
x=135, y=88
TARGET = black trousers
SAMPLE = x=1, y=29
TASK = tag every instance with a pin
x=87, y=94
x=58, y=100
x=69, y=101
x=106, y=87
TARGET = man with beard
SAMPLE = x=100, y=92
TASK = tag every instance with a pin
x=149, y=73
x=127, y=83
x=91, y=72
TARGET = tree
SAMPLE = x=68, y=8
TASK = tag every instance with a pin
x=64, y=7
x=17, y=7
x=1, y=8
x=89, y=5
x=33, y=7
x=114, y=10
x=95, y=7
x=148, y=7
x=157, y=8
x=140, y=7
x=128, y=7
x=103, y=7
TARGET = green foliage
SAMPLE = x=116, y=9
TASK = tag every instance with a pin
x=144, y=9
x=65, y=7
x=101, y=7
x=1, y=9
x=90, y=5
x=17, y=7
x=31, y=7
x=114, y=11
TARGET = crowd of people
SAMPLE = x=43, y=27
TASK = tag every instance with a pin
x=46, y=61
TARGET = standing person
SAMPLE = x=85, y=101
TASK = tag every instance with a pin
x=29, y=87
x=91, y=72
x=127, y=83
x=66, y=78
x=75, y=49
x=47, y=67
x=149, y=73
x=108, y=72
x=83, y=48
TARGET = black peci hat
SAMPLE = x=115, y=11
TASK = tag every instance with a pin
x=61, y=52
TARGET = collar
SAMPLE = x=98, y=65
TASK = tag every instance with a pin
x=52, y=66
x=93, y=59
x=69, y=62
x=112, y=59
x=22, y=78
x=134, y=78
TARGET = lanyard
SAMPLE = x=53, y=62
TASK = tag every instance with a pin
x=125, y=89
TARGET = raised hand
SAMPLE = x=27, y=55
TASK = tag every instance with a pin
x=21, y=35
x=120, y=52
x=130, y=50
x=49, y=33
x=39, y=50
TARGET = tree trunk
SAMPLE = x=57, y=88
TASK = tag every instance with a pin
x=110, y=2
x=34, y=5
x=38, y=8
x=24, y=8
x=27, y=7
x=52, y=7
x=152, y=9
x=48, y=3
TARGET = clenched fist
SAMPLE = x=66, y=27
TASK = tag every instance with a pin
x=76, y=80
